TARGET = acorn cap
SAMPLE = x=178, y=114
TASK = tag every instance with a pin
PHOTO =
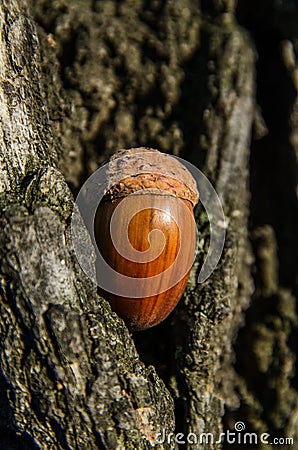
x=144, y=170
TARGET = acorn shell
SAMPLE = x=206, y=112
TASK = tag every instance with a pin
x=156, y=181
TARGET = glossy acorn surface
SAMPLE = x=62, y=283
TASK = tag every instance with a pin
x=164, y=225
x=145, y=312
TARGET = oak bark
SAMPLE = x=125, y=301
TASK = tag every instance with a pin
x=79, y=80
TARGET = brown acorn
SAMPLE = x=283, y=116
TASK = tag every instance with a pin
x=151, y=238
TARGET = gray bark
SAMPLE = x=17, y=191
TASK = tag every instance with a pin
x=79, y=80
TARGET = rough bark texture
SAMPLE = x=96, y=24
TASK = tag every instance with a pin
x=79, y=80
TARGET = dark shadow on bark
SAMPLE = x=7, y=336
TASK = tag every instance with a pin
x=273, y=181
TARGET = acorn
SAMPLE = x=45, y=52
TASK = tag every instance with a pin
x=145, y=231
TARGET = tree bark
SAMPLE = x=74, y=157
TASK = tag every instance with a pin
x=79, y=80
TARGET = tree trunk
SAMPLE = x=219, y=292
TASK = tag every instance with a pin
x=214, y=85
